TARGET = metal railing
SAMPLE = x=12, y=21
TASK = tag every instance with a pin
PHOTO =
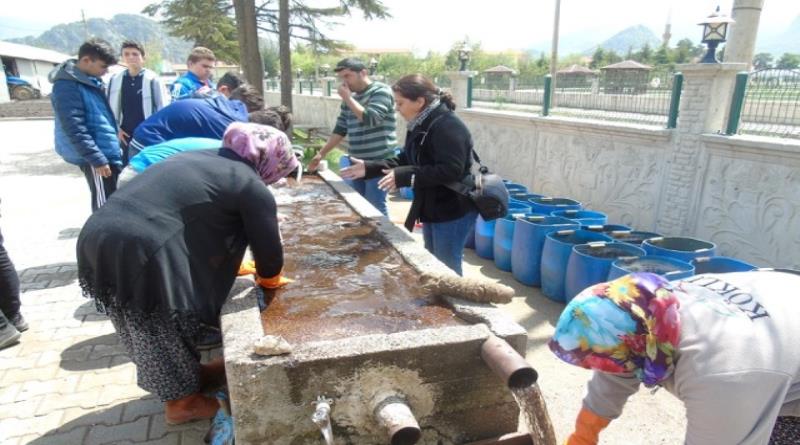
x=651, y=98
x=642, y=97
x=767, y=103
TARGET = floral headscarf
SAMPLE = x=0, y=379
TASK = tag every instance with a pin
x=267, y=148
x=629, y=325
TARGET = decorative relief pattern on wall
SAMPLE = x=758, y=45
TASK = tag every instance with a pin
x=608, y=174
x=751, y=209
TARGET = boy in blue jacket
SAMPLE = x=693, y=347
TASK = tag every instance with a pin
x=85, y=129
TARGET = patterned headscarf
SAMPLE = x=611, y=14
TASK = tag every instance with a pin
x=629, y=325
x=267, y=148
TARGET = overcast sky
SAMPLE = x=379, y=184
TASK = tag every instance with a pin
x=422, y=25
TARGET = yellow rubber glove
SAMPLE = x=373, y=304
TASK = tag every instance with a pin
x=247, y=267
x=587, y=428
x=273, y=282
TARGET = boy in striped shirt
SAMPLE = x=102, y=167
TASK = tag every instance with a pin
x=367, y=120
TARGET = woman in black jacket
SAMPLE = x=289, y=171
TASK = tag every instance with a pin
x=438, y=151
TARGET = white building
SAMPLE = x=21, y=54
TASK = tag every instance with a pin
x=30, y=63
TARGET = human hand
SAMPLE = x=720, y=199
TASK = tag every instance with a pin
x=344, y=91
x=103, y=170
x=123, y=137
x=275, y=282
x=387, y=183
x=356, y=170
x=314, y=164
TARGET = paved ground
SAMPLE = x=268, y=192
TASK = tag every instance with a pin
x=69, y=382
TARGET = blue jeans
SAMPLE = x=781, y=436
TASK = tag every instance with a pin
x=445, y=240
x=368, y=188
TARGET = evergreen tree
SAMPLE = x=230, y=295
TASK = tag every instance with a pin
x=662, y=56
x=762, y=61
x=788, y=61
x=598, y=58
x=645, y=54
x=204, y=22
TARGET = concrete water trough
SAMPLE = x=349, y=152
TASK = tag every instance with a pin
x=373, y=359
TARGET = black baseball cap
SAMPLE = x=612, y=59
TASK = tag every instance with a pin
x=351, y=64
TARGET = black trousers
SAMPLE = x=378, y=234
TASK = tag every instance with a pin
x=9, y=285
x=100, y=187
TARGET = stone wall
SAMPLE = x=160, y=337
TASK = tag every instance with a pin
x=741, y=192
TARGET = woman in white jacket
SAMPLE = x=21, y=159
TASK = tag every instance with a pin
x=724, y=344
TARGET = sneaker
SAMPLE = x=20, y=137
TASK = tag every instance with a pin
x=9, y=335
x=19, y=322
x=208, y=338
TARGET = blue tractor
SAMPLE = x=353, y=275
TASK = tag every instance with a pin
x=21, y=89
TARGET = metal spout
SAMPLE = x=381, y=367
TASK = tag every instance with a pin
x=507, y=363
x=394, y=414
x=322, y=418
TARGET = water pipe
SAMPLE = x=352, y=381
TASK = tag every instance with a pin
x=395, y=416
x=507, y=363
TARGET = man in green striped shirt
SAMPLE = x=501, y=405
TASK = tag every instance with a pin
x=367, y=120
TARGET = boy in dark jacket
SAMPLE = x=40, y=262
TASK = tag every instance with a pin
x=85, y=129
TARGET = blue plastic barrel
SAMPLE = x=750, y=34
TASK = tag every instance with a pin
x=522, y=198
x=406, y=193
x=504, y=238
x=484, y=238
x=548, y=205
x=635, y=237
x=470, y=242
x=526, y=250
x=669, y=268
x=685, y=249
x=484, y=230
x=720, y=264
x=589, y=264
x=555, y=254
x=513, y=187
x=611, y=230
x=583, y=217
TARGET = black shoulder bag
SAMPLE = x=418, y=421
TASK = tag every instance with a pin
x=486, y=190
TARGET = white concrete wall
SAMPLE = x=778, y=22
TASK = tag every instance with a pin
x=742, y=192
x=36, y=73
x=4, y=97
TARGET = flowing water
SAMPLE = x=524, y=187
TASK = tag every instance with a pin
x=534, y=414
x=348, y=281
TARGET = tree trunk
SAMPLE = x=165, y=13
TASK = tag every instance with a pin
x=285, y=54
x=252, y=66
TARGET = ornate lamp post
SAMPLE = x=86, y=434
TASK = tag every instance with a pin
x=373, y=66
x=463, y=56
x=299, y=73
x=325, y=68
x=715, y=31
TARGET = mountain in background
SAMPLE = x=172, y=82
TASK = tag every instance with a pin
x=787, y=41
x=633, y=38
x=585, y=42
x=66, y=38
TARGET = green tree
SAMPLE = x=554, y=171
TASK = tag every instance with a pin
x=788, y=61
x=684, y=51
x=598, y=59
x=610, y=57
x=153, y=59
x=762, y=61
x=645, y=54
x=270, y=56
x=204, y=22
x=662, y=56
